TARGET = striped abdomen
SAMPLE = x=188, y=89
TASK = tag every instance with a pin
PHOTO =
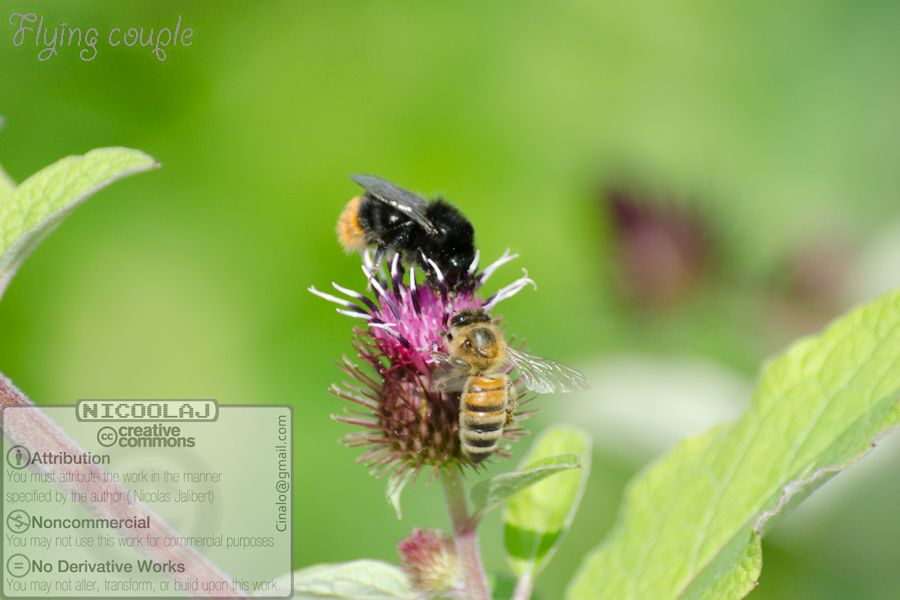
x=482, y=415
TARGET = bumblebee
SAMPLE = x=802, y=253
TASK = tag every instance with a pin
x=394, y=220
x=474, y=364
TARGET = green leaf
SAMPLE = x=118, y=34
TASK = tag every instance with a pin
x=537, y=517
x=489, y=494
x=29, y=212
x=395, y=486
x=692, y=525
x=357, y=580
x=7, y=185
x=502, y=586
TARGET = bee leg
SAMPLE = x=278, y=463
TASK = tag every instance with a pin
x=446, y=358
x=511, y=403
x=427, y=269
x=403, y=235
x=380, y=251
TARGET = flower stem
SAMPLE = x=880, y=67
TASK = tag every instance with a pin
x=465, y=538
x=523, y=588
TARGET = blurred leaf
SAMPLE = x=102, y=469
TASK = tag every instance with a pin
x=357, y=580
x=693, y=524
x=7, y=185
x=489, y=494
x=395, y=486
x=29, y=212
x=536, y=518
x=503, y=586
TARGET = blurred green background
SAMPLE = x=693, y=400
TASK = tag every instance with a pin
x=750, y=149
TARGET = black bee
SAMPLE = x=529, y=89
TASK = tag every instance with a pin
x=394, y=219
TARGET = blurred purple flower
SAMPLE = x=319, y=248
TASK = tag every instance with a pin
x=662, y=250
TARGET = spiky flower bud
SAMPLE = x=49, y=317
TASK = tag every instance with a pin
x=429, y=558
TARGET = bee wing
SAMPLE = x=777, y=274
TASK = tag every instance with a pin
x=398, y=197
x=448, y=378
x=546, y=376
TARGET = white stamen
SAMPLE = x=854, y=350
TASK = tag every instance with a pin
x=365, y=316
x=440, y=276
x=370, y=270
x=474, y=264
x=385, y=299
x=350, y=293
x=334, y=299
x=489, y=270
x=441, y=283
x=509, y=291
x=386, y=327
x=394, y=263
x=367, y=259
x=381, y=270
x=378, y=287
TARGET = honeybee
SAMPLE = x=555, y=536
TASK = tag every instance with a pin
x=474, y=363
x=393, y=219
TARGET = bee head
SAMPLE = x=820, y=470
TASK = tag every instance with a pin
x=481, y=343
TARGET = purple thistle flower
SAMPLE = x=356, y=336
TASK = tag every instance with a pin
x=407, y=425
